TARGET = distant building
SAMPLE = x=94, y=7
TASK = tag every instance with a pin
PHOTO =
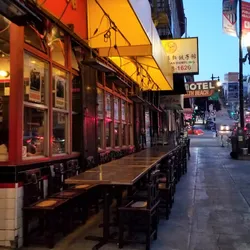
x=231, y=89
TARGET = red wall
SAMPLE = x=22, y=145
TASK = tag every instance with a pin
x=77, y=16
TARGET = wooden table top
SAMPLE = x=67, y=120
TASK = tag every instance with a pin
x=124, y=171
x=111, y=177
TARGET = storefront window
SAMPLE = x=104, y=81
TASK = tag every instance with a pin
x=34, y=132
x=116, y=134
x=116, y=108
x=108, y=134
x=59, y=132
x=4, y=87
x=130, y=113
x=60, y=89
x=36, y=78
x=32, y=37
x=76, y=113
x=108, y=105
x=100, y=103
x=56, y=43
x=99, y=133
x=74, y=62
x=130, y=135
x=124, y=129
x=123, y=110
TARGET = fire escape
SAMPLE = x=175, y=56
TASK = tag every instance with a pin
x=161, y=16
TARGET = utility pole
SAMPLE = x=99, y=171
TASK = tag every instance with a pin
x=241, y=99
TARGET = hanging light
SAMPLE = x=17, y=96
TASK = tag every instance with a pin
x=4, y=73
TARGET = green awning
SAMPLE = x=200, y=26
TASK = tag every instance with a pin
x=214, y=97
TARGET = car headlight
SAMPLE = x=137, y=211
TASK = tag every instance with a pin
x=222, y=127
x=227, y=128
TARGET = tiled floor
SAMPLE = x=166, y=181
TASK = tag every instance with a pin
x=211, y=209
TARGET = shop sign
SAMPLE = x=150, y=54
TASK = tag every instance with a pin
x=171, y=102
x=200, y=89
x=245, y=18
x=183, y=55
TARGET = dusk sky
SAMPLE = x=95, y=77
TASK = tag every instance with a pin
x=218, y=52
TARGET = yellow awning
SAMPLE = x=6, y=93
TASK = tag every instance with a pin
x=123, y=31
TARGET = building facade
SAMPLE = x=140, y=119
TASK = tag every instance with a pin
x=61, y=100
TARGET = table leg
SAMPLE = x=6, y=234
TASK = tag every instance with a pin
x=106, y=235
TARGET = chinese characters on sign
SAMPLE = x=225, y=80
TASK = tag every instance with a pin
x=200, y=89
x=183, y=55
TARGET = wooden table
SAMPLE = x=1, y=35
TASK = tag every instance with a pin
x=122, y=172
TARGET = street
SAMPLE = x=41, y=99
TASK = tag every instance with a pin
x=211, y=209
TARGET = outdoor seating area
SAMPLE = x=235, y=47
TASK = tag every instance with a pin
x=134, y=190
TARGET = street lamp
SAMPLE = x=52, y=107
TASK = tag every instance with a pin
x=218, y=83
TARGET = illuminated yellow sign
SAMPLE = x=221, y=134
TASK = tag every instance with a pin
x=183, y=54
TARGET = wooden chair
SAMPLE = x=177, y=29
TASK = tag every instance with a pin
x=52, y=215
x=56, y=178
x=141, y=215
x=165, y=187
x=77, y=203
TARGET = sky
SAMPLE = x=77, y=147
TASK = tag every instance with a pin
x=218, y=52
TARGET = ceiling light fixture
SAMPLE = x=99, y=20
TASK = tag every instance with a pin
x=4, y=73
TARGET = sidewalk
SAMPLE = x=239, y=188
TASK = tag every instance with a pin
x=211, y=209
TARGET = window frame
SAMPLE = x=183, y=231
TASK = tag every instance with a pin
x=129, y=123
x=47, y=57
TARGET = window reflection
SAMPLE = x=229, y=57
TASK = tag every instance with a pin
x=108, y=134
x=36, y=78
x=116, y=134
x=100, y=103
x=33, y=132
x=76, y=113
x=74, y=62
x=59, y=132
x=108, y=105
x=99, y=133
x=123, y=110
x=56, y=43
x=60, y=87
x=124, y=127
x=116, y=108
x=32, y=37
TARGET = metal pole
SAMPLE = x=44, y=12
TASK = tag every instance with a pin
x=241, y=101
x=186, y=27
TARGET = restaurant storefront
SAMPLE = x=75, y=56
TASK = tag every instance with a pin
x=40, y=92
x=56, y=107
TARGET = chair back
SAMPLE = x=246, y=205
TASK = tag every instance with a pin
x=33, y=186
x=72, y=168
x=90, y=162
x=153, y=190
x=57, y=177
